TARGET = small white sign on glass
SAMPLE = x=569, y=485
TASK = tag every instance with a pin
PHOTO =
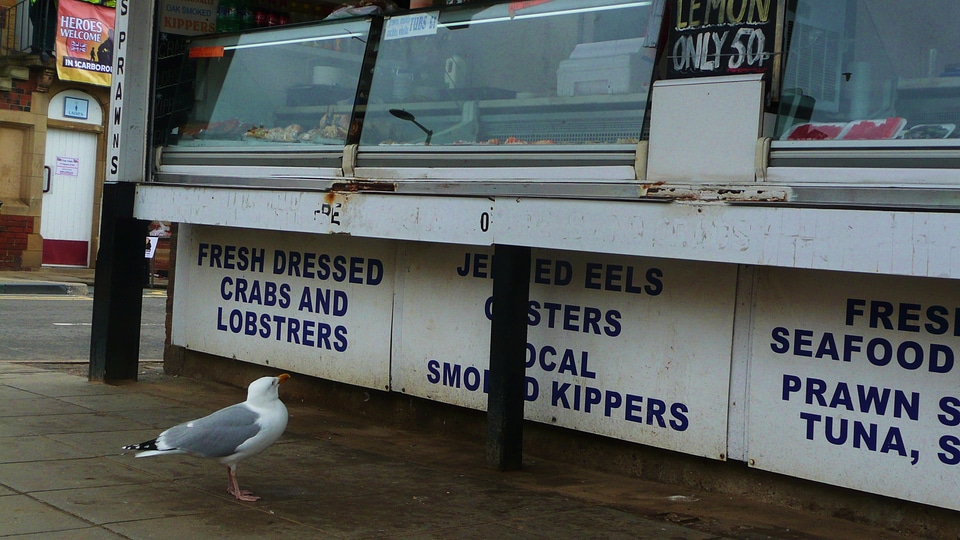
x=417, y=24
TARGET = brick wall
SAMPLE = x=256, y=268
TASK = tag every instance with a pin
x=13, y=240
x=20, y=98
x=15, y=231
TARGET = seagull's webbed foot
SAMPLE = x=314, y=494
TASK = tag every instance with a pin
x=233, y=488
x=243, y=495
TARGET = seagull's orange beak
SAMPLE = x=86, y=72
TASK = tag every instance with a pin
x=283, y=376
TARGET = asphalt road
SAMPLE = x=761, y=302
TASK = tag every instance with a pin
x=56, y=328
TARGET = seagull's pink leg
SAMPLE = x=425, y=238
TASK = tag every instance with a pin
x=233, y=487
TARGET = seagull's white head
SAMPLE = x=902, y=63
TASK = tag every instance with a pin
x=265, y=388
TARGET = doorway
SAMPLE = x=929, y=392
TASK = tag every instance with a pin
x=69, y=180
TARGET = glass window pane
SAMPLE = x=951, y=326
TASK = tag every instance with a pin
x=877, y=70
x=294, y=85
x=560, y=72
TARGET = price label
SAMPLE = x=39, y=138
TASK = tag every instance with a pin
x=417, y=24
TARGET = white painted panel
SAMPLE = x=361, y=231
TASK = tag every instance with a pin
x=632, y=348
x=869, y=241
x=238, y=297
x=854, y=382
x=68, y=206
x=838, y=176
x=705, y=129
x=399, y=217
x=883, y=242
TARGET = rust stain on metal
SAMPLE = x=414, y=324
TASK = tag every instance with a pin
x=662, y=192
x=355, y=187
x=696, y=193
x=646, y=189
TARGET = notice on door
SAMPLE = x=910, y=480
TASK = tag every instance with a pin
x=67, y=166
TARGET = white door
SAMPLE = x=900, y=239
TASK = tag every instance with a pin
x=68, y=187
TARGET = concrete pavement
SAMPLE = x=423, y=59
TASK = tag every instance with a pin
x=62, y=475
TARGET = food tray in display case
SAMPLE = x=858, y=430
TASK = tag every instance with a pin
x=275, y=86
x=857, y=130
x=929, y=131
x=876, y=129
x=815, y=131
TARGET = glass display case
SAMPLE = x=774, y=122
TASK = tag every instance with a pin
x=882, y=71
x=283, y=89
x=564, y=78
x=513, y=75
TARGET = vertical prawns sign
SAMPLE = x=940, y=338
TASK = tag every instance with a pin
x=116, y=94
x=85, y=42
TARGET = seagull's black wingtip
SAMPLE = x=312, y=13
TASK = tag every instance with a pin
x=146, y=445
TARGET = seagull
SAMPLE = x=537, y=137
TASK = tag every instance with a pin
x=231, y=434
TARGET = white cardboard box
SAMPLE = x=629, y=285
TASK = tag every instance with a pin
x=607, y=67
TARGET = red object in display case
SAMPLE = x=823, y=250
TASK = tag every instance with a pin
x=883, y=128
x=815, y=131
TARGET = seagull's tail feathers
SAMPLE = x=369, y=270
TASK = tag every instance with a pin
x=149, y=453
x=146, y=445
x=149, y=448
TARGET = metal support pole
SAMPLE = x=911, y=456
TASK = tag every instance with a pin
x=118, y=287
x=508, y=348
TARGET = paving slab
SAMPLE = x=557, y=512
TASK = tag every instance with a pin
x=118, y=402
x=15, y=369
x=10, y=427
x=85, y=422
x=114, y=504
x=24, y=515
x=597, y=523
x=69, y=474
x=8, y=393
x=40, y=405
x=31, y=448
x=226, y=522
x=91, y=533
x=484, y=531
x=423, y=510
x=53, y=384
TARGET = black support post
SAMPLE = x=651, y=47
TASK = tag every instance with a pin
x=508, y=342
x=118, y=287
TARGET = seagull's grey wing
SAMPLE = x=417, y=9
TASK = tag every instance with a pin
x=216, y=435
